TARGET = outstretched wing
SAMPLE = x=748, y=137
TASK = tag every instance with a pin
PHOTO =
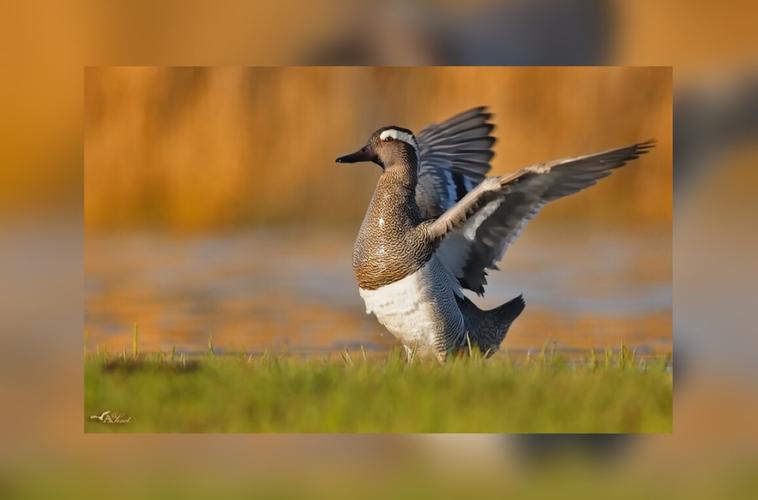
x=477, y=230
x=454, y=157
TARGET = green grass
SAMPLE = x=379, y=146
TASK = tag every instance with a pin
x=611, y=392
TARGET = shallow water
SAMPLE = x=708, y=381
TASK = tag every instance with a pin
x=294, y=291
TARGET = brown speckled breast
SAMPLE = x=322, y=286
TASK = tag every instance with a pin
x=390, y=243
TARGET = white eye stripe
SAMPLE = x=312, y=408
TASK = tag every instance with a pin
x=400, y=136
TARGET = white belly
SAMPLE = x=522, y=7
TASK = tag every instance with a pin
x=419, y=309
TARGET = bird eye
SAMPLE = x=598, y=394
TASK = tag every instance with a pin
x=389, y=138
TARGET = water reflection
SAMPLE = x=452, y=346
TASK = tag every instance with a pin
x=294, y=291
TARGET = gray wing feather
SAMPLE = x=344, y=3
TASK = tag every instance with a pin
x=477, y=231
x=454, y=157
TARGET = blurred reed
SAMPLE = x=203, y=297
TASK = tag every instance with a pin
x=196, y=149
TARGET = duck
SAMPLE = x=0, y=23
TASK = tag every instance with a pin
x=436, y=224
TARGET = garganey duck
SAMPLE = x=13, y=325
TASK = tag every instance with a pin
x=436, y=224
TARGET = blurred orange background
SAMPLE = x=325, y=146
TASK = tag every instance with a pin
x=239, y=162
x=209, y=148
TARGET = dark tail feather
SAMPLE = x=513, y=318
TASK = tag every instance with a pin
x=508, y=312
x=487, y=329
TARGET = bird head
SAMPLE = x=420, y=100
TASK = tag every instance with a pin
x=386, y=147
